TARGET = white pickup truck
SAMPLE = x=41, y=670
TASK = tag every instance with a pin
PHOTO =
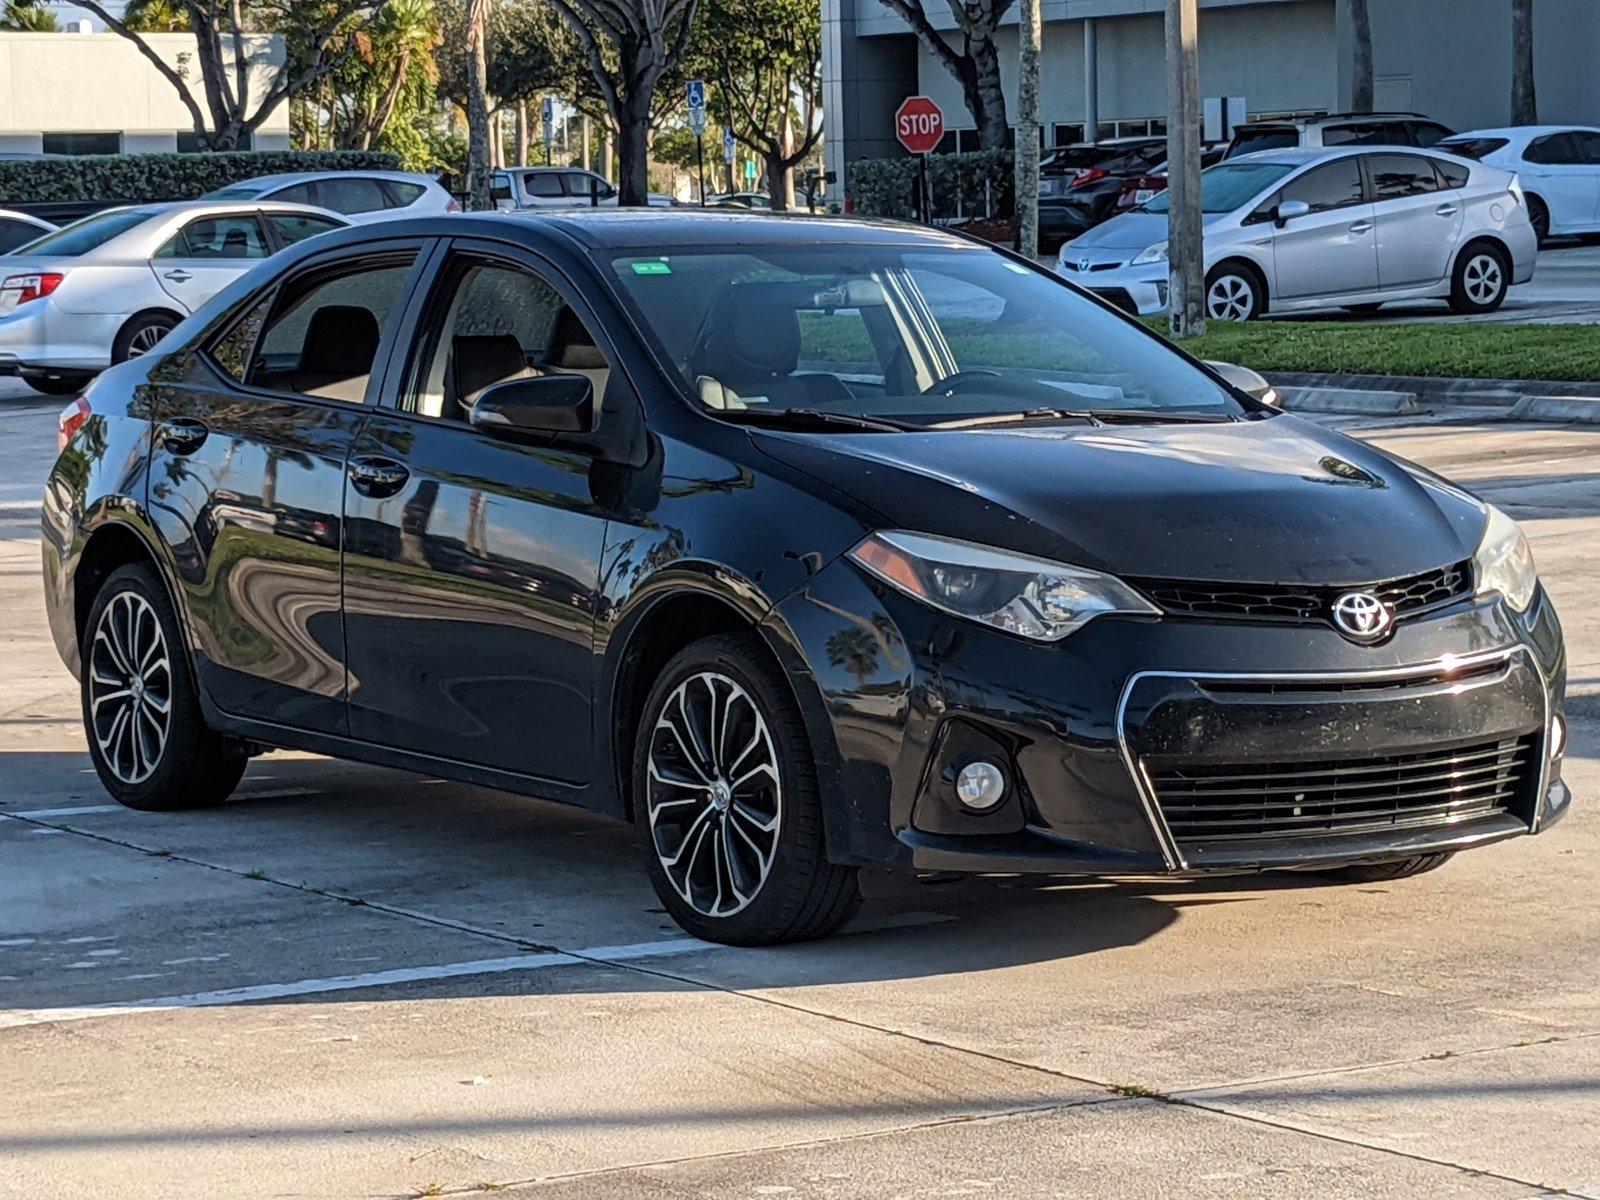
x=556, y=187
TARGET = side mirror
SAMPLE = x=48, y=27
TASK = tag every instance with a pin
x=1247, y=381
x=1290, y=210
x=524, y=409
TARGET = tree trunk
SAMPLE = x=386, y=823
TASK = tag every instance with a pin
x=1360, y=57
x=1030, y=32
x=780, y=166
x=985, y=97
x=478, y=168
x=1524, y=97
x=522, y=133
x=1185, y=249
x=633, y=150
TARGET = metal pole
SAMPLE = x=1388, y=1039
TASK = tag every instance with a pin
x=584, y=125
x=1091, y=80
x=1030, y=33
x=700, y=164
x=922, y=189
x=1185, y=250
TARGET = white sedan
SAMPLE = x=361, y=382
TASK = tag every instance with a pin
x=1557, y=165
x=109, y=287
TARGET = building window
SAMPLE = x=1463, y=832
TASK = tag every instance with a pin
x=82, y=143
x=1066, y=135
x=189, y=143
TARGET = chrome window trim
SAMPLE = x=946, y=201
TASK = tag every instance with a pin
x=1170, y=850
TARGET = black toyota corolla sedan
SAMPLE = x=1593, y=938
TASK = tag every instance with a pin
x=805, y=545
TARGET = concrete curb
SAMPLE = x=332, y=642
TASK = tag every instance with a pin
x=1486, y=399
x=1348, y=400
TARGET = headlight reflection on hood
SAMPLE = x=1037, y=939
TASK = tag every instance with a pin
x=1031, y=597
x=1504, y=562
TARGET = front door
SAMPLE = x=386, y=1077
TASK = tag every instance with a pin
x=471, y=563
x=247, y=485
x=1331, y=250
x=1419, y=225
x=208, y=254
x=1563, y=169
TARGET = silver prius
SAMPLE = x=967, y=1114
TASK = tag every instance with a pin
x=109, y=287
x=1305, y=228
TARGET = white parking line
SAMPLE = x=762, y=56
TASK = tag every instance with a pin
x=82, y=810
x=344, y=983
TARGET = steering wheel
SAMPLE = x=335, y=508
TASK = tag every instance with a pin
x=955, y=385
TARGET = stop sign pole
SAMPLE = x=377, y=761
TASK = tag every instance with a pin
x=919, y=127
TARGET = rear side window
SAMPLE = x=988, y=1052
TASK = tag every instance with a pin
x=232, y=236
x=292, y=228
x=1276, y=137
x=92, y=232
x=1396, y=176
x=1554, y=149
x=14, y=233
x=403, y=195
x=1473, y=148
x=297, y=193
x=1367, y=133
x=1454, y=174
x=351, y=195
x=1587, y=145
x=1427, y=133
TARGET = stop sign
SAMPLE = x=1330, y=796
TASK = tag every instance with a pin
x=918, y=124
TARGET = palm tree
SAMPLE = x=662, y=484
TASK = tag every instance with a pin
x=1360, y=56
x=156, y=16
x=1524, y=100
x=400, y=43
x=478, y=162
x=26, y=16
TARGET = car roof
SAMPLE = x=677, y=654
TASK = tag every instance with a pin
x=1517, y=133
x=1332, y=119
x=292, y=177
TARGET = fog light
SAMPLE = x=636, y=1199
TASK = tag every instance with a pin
x=1558, y=736
x=980, y=786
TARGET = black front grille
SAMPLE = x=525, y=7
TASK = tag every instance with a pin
x=1119, y=298
x=1403, y=791
x=1290, y=602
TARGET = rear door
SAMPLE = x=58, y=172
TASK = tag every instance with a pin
x=247, y=482
x=357, y=197
x=1332, y=250
x=208, y=254
x=1419, y=223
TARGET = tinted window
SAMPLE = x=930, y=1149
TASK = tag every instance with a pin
x=586, y=186
x=1331, y=186
x=499, y=186
x=1395, y=176
x=546, y=185
x=403, y=194
x=82, y=143
x=322, y=338
x=14, y=233
x=351, y=195
x=291, y=229
x=1554, y=149
x=92, y=232
x=1274, y=137
x=1427, y=133
x=247, y=190
x=1474, y=148
x=218, y=237
x=233, y=349
x=1367, y=133
x=1229, y=185
x=299, y=193
x=1454, y=174
x=1587, y=146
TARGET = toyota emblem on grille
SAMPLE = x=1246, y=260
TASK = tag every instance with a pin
x=1083, y=263
x=1362, y=617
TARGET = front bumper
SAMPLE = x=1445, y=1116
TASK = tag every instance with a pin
x=1138, y=291
x=1085, y=728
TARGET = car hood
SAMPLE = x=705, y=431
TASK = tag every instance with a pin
x=1133, y=231
x=1276, y=500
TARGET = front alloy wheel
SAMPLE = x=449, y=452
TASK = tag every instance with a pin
x=725, y=796
x=1232, y=296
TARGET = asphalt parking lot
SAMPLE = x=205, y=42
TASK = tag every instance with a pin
x=349, y=982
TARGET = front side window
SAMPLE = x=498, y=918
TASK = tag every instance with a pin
x=921, y=335
x=324, y=331
x=351, y=195
x=218, y=237
x=1396, y=176
x=1334, y=185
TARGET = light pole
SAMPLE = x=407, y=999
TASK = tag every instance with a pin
x=1185, y=228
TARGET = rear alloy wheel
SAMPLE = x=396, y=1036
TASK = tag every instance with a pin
x=1384, y=872
x=1232, y=294
x=727, y=802
x=147, y=738
x=142, y=335
x=1539, y=218
x=1480, y=280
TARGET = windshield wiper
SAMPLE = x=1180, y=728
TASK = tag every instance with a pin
x=1146, y=416
x=814, y=417
x=1015, y=418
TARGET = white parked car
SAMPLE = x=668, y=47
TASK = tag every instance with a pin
x=18, y=229
x=109, y=287
x=556, y=187
x=1557, y=165
x=1303, y=228
x=358, y=196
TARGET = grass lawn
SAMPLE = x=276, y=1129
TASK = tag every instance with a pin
x=1474, y=351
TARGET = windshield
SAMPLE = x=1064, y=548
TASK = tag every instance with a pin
x=1229, y=186
x=239, y=191
x=916, y=335
x=91, y=233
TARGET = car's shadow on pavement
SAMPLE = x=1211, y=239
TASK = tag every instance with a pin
x=318, y=868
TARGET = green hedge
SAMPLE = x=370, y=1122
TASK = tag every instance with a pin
x=137, y=178
x=963, y=185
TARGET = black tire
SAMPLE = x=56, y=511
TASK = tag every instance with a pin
x=1233, y=289
x=1539, y=218
x=1386, y=872
x=801, y=895
x=190, y=766
x=141, y=335
x=1361, y=310
x=1480, y=279
x=57, y=385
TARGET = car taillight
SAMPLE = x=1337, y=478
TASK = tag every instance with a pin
x=453, y=206
x=72, y=418
x=31, y=287
x=1089, y=176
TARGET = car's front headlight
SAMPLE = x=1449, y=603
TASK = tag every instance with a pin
x=1031, y=597
x=1150, y=254
x=1504, y=562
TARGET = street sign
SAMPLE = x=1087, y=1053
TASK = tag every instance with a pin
x=918, y=124
x=547, y=113
x=727, y=146
x=697, y=106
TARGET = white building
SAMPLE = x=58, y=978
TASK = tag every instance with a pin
x=73, y=93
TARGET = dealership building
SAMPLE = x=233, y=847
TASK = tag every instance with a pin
x=1102, y=66
x=95, y=93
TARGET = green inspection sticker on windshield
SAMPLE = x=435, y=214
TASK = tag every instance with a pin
x=651, y=268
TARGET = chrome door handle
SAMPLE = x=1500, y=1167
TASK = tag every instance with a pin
x=1447, y=210
x=178, y=276
x=1361, y=227
x=377, y=477
x=183, y=435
